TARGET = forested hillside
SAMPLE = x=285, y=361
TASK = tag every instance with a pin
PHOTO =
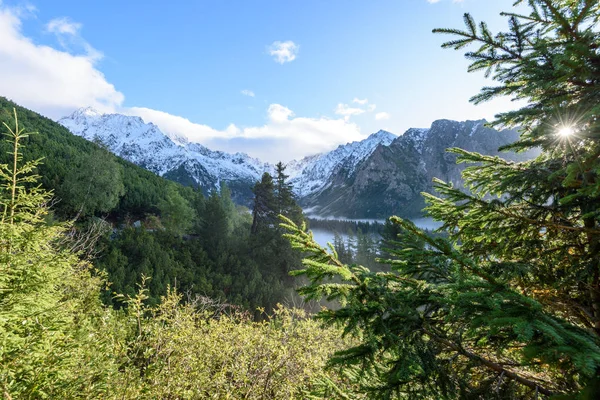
x=136, y=223
x=134, y=190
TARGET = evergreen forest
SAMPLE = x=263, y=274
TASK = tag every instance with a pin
x=118, y=284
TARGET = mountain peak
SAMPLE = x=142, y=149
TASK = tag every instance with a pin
x=382, y=137
x=382, y=132
x=86, y=112
x=311, y=174
x=447, y=122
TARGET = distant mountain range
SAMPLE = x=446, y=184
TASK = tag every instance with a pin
x=171, y=157
x=379, y=176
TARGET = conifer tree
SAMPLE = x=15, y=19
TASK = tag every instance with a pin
x=286, y=202
x=176, y=212
x=215, y=226
x=48, y=300
x=508, y=305
x=265, y=203
x=283, y=188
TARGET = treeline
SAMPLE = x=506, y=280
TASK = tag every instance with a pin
x=135, y=223
x=344, y=226
x=363, y=242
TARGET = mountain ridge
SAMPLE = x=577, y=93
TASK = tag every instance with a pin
x=391, y=179
x=378, y=176
x=146, y=145
x=194, y=164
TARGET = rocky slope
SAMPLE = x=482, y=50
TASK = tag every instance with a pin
x=389, y=181
x=313, y=173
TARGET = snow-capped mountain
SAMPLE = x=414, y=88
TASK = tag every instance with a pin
x=312, y=173
x=176, y=158
x=173, y=157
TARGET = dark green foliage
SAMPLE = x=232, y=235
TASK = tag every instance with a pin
x=94, y=186
x=264, y=210
x=202, y=246
x=267, y=244
x=163, y=230
x=507, y=304
x=216, y=224
x=177, y=215
x=286, y=201
x=65, y=155
x=160, y=255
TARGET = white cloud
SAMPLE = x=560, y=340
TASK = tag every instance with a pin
x=63, y=26
x=247, y=92
x=283, y=52
x=55, y=81
x=382, y=115
x=50, y=81
x=279, y=113
x=283, y=137
x=347, y=111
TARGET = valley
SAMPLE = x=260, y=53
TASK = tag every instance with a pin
x=300, y=200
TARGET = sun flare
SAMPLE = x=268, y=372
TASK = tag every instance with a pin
x=566, y=131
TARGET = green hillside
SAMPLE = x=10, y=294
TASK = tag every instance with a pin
x=63, y=152
x=135, y=223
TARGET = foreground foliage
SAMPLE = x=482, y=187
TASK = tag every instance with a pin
x=44, y=291
x=58, y=341
x=183, y=351
x=507, y=303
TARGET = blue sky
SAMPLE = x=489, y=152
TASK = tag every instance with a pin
x=276, y=79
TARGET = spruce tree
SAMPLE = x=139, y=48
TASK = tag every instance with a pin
x=507, y=303
x=215, y=229
x=49, y=305
x=265, y=203
x=286, y=202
